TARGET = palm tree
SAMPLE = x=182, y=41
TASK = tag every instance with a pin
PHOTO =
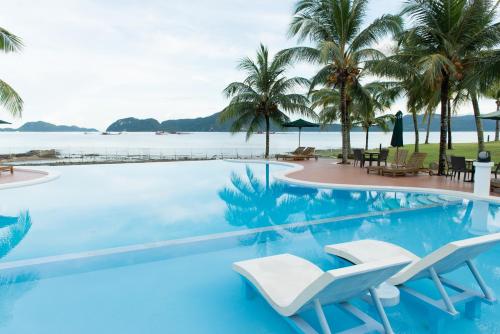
x=264, y=96
x=447, y=36
x=340, y=46
x=9, y=99
x=364, y=102
x=493, y=92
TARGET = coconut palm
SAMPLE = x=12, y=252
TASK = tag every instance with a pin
x=493, y=92
x=363, y=104
x=9, y=99
x=265, y=95
x=340, y=46
x=445, y=38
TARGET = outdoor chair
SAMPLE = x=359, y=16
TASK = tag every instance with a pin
x=306, y=154
x=7, y=169
x=449, y=169
x=414, y=166
x=359, y=157
x=458, y=166
x=444, y=260
x=496, y=170
x=384, y=154
x=399, y=158
x=291, y=285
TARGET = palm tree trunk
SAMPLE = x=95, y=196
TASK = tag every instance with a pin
x=450, y=144
x=445, y=87
x=429, y=119
x=415, y=128
x=267, y=137
x=497, y=129
x=479, y=123
x=367, y=130
x=345, y=123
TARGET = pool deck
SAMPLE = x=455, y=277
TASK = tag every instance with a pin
x=21, y=176
x=329, y=171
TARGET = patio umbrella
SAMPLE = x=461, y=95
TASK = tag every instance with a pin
x=300, y=123
x=494, y=116
x=397, y=133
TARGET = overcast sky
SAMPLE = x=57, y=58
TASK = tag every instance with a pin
x=90, y=62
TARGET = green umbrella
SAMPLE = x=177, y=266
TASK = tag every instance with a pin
x=397, y=133
x=300, y=123
x=494, y=116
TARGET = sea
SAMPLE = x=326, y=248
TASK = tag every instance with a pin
x=197, y=143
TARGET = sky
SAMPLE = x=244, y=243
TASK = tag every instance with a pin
x=91, y=62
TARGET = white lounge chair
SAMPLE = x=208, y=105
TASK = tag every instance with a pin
x=444, y=260
x=292, y=284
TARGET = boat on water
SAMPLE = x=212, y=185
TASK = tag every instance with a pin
x=110, y=134
x=160, y=133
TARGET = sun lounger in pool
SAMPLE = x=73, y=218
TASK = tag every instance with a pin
x=7, y=169
x=292, y=284
x=444, y=260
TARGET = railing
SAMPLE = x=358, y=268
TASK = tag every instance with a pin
x=120, y=155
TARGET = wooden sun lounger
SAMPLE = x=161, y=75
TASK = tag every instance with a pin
x=413, y=166
x=398, y=161
x=7, y=169
x=307, y=154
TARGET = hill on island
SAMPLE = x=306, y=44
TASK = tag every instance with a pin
x=212, y=124
x=48, y=127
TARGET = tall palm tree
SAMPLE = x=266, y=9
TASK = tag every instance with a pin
x=493, y=92
x=340, y=46
x=446, y=36
x=9, y=99
x=265, y=95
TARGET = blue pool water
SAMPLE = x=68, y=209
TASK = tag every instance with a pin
x=224, y=212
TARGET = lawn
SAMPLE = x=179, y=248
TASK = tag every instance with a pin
x=468, y=150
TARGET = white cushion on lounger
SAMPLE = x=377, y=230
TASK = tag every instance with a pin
x=289, y=282
x=443, y=260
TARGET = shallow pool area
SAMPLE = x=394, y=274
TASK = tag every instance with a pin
x=148, y=248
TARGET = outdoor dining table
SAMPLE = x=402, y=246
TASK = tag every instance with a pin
x=372, y=156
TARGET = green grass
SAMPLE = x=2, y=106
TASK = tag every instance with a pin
x=468, y=150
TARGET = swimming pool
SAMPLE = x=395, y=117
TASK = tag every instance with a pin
x=148, y=247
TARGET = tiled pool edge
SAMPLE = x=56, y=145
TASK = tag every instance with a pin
x=59, y=265
x=49, y=176
x=283, y=177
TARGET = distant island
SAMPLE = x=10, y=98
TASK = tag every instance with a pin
x=48, y=127
x=212, y=124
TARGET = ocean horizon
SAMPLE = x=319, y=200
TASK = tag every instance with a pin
x=198, y=142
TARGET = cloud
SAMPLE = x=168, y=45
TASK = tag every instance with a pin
x=90, y=62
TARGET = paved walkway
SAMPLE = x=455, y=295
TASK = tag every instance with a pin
x=20, y=175
x=328, y=171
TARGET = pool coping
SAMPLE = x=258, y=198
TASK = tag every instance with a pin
x=48, y=176
x=284, y=177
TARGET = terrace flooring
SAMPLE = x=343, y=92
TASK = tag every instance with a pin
x=329, y=171
x=20, y=175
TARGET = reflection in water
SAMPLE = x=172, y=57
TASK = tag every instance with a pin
x=253, y=204
x=12, y=231
x=483, y=218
